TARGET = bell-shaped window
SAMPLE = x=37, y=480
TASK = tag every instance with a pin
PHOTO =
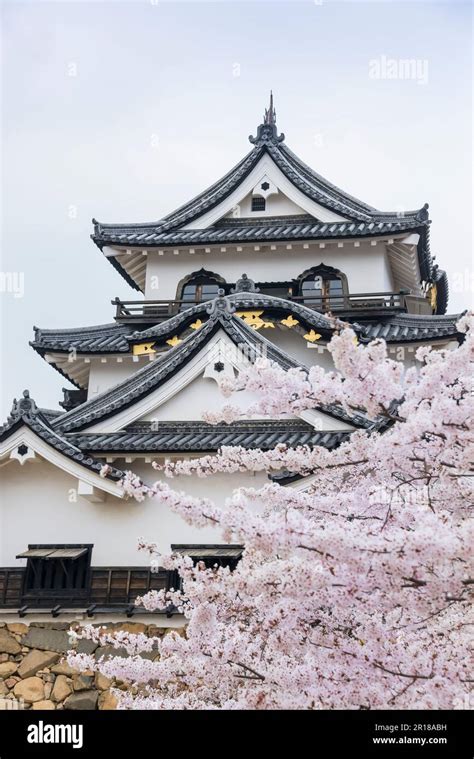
x=323, y=288
x=199, y=287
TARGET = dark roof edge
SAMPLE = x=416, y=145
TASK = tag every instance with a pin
x=442, y=294
x=26, y=413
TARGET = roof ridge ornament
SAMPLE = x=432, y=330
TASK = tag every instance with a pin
x=423, y=213
x=267, y=130
x=220, y=306
x=245, y=285
x=24, y=407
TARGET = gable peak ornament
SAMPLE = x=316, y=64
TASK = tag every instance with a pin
x=24, y=407
x=245, y=285
x=267, y=130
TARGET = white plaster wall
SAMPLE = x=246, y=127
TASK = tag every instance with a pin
x=190, y=403
x=105, y=375
x=203, y=395
x=36, y=507
x=366, y=267
x=294, y=344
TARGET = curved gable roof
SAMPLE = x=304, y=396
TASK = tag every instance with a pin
x=305, y=179
x=150, y=377
x=25, y=413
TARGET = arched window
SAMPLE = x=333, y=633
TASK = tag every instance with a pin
x=323, y=287
x=198, y=287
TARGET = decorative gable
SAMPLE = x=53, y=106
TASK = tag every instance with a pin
x=283, y=196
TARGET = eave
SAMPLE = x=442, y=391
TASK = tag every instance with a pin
x=198, y=437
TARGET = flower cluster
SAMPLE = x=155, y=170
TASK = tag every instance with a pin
x=352, y=591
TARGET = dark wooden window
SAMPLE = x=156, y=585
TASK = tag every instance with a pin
x=57, y=571
x=258, y=203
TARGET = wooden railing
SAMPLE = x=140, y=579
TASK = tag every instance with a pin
x=353, y=301
x=159, y=310
x=150, y=310
x=108, y=587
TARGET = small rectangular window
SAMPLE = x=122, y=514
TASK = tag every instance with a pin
x=56, y=570
x=258, y=204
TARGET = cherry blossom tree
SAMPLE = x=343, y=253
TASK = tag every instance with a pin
x=353, y=590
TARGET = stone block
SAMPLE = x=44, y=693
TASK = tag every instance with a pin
x=86, y=699
x=47, y=639
x=62, y=688
x=7, y=669
x=43, y=705
x=36, y=661
x=31, y=690
x=8, y=644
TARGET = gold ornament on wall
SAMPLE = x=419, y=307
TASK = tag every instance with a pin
x=196, y=324
x=143, y=349
x=312, y=336
x=433, y=297
x=253, y=319
x=289, y=321
x=174, y=341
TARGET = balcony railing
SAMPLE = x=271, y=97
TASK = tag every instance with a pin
x=150, y=310
x=159, y=310
x=353, y=301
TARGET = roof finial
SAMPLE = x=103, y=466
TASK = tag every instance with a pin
x=267, y=131
x=270, y=113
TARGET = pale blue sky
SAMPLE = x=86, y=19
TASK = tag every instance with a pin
x=84, y=145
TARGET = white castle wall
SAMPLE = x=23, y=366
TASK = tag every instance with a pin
x=366, y=267
x=106, y=372
x=40, y=505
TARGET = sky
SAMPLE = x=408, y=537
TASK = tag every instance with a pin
x=122, y=111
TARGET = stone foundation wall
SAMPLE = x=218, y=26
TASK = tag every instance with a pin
x=35, y=675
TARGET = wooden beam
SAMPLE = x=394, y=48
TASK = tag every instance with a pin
x=90, y=493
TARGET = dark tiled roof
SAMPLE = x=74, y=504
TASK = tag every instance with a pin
x=198, y=436
x=158, y=371
x=117, y=338
x=363, y=220
x=241, y=301
x=280, y=229
x=101, y=338
x=50, y=413
x=308, y=181
x=25, y=412
x=440, y=279
x=412, y=328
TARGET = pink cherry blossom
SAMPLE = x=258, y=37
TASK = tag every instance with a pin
x=353, y=591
